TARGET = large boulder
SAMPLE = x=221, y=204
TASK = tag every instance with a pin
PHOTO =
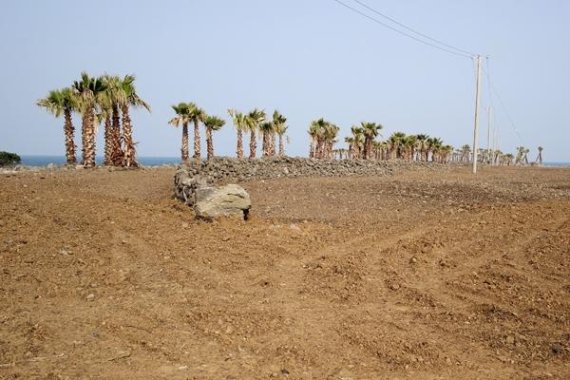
x=209, y=201
x=213, y=202
x=185, y=186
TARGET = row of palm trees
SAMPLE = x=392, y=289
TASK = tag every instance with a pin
x=105, y=99
x=253, y=122
x=363, y=144
x=497, y=157
x=256, y=120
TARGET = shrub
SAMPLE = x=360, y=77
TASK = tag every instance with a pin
x=9, y=159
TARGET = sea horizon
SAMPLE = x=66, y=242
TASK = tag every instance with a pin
x=45, y=160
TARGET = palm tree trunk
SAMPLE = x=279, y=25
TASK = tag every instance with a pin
x=197, y=141
x=89, y=144
x=265, y=145
x=239, y=148
x=130, y=151
x=117, y=153
x=272, y=144
x=84, y=134
x=108, y=141
x=252, y=144
x=69, y=131
x=319, y=149
x=184, y=154
x=368, y=148
x=281, y=146
x=209, y=143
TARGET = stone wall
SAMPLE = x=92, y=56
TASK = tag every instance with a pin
x=220, y=169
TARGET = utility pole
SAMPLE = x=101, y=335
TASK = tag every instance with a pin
x=489, y=147
x=476, y=128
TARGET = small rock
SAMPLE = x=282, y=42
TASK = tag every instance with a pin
x=91, y=297
x=557, y=349
x=395, y=286
x=294, y=227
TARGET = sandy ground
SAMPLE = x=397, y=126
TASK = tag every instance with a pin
x=420, y=275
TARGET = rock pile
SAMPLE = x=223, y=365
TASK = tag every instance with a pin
x=210, y=202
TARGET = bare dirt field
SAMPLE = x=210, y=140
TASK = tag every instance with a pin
x=421, y=275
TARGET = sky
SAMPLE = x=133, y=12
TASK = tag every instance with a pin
x=306, y=58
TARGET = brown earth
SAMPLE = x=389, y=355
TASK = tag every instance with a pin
x=420, y=275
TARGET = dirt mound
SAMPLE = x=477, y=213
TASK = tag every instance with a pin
x=416, y=275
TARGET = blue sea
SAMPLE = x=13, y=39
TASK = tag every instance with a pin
x=60, y=160
x=159, y=161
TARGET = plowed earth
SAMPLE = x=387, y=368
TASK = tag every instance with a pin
x=420, y=275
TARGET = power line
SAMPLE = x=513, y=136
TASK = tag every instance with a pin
x=488, y=75
x=413, y=30
x=402, y=32
x=493, y=89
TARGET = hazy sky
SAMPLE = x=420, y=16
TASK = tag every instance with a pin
x=307, y=58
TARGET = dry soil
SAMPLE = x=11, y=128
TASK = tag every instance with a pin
x=421, y=275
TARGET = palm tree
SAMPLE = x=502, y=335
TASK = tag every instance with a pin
x=113, y=98
x=539, y=157
x=317, y=132
x=465, y=152
x=384, y=147
x=88, y=92
x=239, y=120
x=60, y=102
x=280, y=128
x=410, y=144
x=370, y=131
x=131, y=99
x=196, y=115
x=421, y=144
x=508, y=159
x=329, y=137
x=446, y=151
x=253, y=120
x=182, y=117
x=105, y=113
x=521, y=158
x=350, y=141
x=313, y=132
x=212, y=123
x=358, y=143
x=378, y=149
x=396, y=141
x=266, y=129
x=434, y=144
x=323, y=137
x=497, y=154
